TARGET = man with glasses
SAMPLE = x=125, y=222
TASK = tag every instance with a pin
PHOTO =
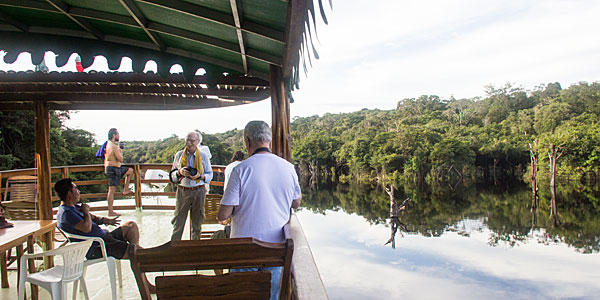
x=76, y=218
x=193, y=166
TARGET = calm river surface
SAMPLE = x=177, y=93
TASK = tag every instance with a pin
x=467, y=243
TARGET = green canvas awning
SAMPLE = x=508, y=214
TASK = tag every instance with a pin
x=236, y=42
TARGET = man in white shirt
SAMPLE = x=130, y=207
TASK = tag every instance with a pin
x=260, y=194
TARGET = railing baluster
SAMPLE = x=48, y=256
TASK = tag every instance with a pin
x=138, y=187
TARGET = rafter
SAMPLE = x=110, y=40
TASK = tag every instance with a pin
x=152, y=27
x=141, y=20
x=208, y=40
x=9, y=20
x=217, y=17
x=236, y=9
x=121, y=103
x=7, y=79
x=64, y=9
x=125, y=88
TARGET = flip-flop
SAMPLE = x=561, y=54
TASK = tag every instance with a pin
x=6, y=224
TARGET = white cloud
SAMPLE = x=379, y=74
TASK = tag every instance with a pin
x=354, y=263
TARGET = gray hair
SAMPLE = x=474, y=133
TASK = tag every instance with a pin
x=197, y=134
x=258, y=131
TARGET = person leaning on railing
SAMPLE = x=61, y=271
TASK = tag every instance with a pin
x=76, y=218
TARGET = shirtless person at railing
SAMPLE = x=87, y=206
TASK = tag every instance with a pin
x=114, y=171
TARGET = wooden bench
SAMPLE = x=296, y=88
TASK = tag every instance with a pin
x=196, y=255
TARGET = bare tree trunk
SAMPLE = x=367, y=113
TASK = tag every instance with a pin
x=312, y=168
x=554, y=154
x=533, y=155
x=494, y=171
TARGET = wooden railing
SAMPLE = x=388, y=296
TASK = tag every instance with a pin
x=138, y=169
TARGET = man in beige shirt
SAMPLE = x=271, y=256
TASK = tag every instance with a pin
x=112, y=167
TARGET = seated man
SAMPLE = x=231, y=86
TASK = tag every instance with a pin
x=77, y=219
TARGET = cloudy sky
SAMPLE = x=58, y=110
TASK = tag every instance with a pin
x=375, y=53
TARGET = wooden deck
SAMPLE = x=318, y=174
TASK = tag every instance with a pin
x=155, y=229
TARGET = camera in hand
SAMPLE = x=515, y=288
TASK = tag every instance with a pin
x=122, y=145
x=192, y=171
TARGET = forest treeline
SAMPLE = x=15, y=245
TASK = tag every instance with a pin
x=425, y=139
x=431, y=139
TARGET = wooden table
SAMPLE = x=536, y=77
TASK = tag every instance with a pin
x=25, y=231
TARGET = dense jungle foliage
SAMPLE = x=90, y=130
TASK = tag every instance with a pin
x=424, y=139
x=432, y=139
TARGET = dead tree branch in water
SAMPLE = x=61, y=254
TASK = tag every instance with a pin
x=394, y=219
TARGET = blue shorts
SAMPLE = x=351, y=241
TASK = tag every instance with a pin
x=114, y=174
x=275, y=278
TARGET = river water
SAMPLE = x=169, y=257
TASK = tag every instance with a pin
x=459, y=243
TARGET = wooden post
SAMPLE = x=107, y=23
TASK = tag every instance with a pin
x=280, y=108
x=65, y=172
x=138, y=186
x=42, y=153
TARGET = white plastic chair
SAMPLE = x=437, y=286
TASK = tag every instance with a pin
x=111, y=262
x=56, y=278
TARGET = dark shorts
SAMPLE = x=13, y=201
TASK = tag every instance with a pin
x=115, y=243
x=114, y=174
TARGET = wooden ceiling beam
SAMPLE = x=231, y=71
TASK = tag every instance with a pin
x=224, y=45
x=236, y=9
x=82, y=89
x=103, y=16
x=109, y=99
x=204, y=103
x=57, y=94
x=217, y=17
x=64, y=9
x=117, y=77
x=144, y=106
x=141, y=20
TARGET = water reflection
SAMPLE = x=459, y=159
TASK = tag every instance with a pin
x=471, y=242
x=506, y=212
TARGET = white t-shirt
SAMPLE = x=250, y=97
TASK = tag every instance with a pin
x=262, y=188
x=228, y=170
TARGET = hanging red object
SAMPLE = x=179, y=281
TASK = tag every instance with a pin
x=78, y=64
